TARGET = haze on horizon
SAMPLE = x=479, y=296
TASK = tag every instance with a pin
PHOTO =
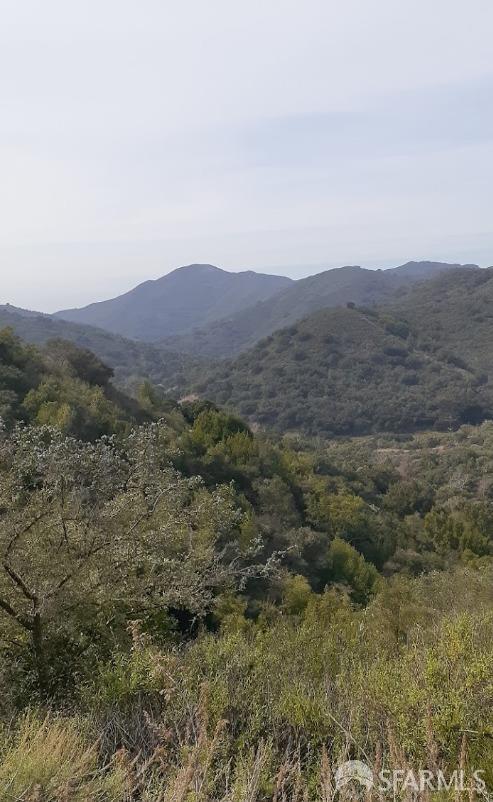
x=278, y=136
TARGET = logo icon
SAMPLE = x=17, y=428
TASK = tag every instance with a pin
x=354, y=771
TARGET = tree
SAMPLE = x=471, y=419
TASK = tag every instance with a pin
x=212, y=427
x=346, y=566
x=73, y=406
x=92, y=527
x=78, y=362
x=21, y=369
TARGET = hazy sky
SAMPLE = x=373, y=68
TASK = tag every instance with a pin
x=139, y=136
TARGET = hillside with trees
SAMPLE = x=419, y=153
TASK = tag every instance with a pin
x=189, y=608
x=63, y=386
x=351, y=371
x=246, y=515
x=452, y=315
x=193, y=609
x=132, y=362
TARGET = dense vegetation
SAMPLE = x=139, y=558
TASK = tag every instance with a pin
x=352, y=371
x=63, y=386
x=190, y=611
x=132, y=362
x=452, y=317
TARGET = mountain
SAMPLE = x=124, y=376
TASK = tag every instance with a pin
x=233, y=334
x=132, y=362
x=349, y=371
x=178, y=302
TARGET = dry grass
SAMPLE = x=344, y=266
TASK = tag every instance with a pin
x=49, y=761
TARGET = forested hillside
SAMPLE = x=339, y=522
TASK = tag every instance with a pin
x=422, y=360
x=63, y=386
x=186, y=604
x=453, y=315
x=246, y=518
x=194, y=610
x=353, y=371
x=132, y=362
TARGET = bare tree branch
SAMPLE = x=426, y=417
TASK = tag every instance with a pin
x=29, y=594
x=22, y=620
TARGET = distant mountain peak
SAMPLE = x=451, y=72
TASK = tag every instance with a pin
x=196, y=267
x=192, y=295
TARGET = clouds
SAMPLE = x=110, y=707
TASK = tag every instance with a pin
x=135, y=137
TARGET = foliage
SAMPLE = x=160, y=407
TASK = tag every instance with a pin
x=132, y=362
x=227, y=615
x=100, y=532
x=96, y=534
x=406, y=681
x=346, y=372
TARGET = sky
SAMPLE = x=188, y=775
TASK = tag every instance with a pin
x=273, y=135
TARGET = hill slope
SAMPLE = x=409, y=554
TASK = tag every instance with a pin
x=178, y=302
x=61, y=385
x=131, y=361
x=227, y=337
x=452, y=317
x=348, y=371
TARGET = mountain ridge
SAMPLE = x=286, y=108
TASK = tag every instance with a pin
x=204, y=310
x=179, y=301
x=229, y=336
